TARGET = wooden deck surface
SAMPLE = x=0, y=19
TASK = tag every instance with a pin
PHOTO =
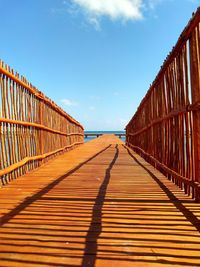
x=98, y=205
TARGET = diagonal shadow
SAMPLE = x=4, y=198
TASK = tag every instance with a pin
x=177, y=203
x=29, y=200
x=95, y=228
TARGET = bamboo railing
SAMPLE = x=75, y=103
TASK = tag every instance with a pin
x=165, y=129
x=33, y=129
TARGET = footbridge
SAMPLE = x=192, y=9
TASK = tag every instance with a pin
x=104, y=203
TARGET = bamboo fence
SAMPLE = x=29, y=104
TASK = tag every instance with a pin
x=165, y=129
x=33, y=129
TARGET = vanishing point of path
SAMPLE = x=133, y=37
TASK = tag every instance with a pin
x=99, y=205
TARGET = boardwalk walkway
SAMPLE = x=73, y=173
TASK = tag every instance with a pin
x=98, y=205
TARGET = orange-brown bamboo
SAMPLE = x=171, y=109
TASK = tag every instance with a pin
x=32, y=127
x=37, y=94
x=34, y=158
x=165, y=129
x=36, y=125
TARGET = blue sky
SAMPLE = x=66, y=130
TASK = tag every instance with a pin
x=94, y=58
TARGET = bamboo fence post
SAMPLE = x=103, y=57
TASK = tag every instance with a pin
x=195, y=86
x=41, y=131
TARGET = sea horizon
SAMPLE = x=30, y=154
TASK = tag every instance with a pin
x=89, y=138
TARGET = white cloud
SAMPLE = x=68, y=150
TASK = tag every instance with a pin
x=114, y=9
x=69, y=103
x=95, y=23
x=122, y=10
x=153, y=3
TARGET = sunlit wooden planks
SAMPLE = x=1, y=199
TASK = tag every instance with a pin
x=98, y=205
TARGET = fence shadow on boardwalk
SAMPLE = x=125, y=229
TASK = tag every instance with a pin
x=68, y=223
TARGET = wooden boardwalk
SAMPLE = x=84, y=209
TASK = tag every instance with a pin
x=99, y=205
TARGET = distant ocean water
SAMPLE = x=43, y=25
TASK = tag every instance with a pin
x=89, y=138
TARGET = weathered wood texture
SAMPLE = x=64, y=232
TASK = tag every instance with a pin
x=98, y=205
x=32, y=127
x=166, y=127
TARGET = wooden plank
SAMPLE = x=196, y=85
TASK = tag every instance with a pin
x=98, y=205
